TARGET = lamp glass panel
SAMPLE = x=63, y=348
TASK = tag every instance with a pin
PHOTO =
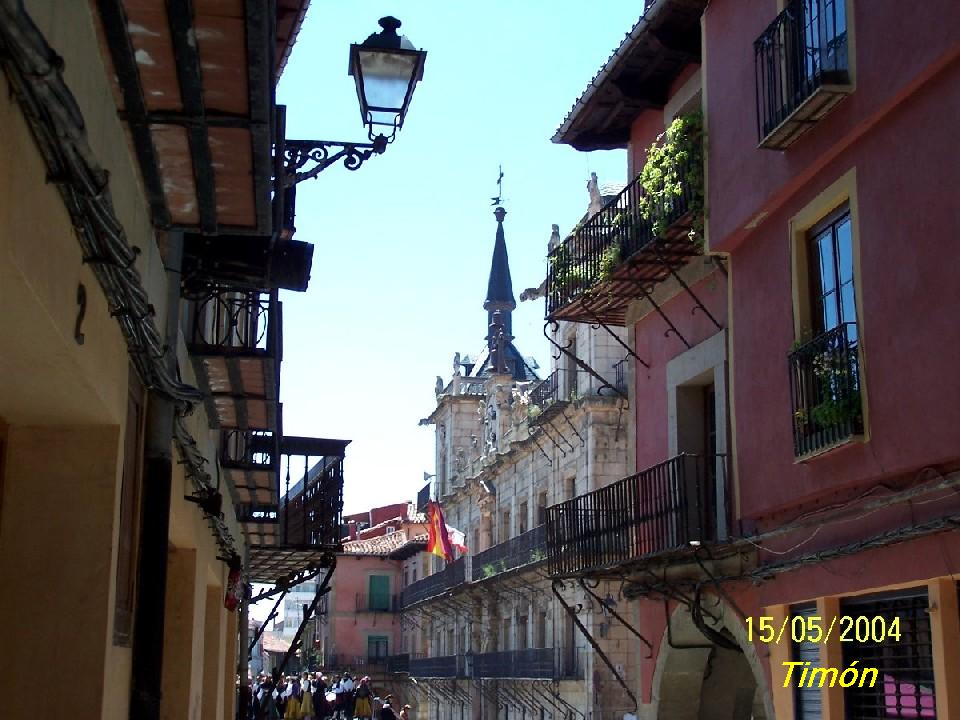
x=386, y=78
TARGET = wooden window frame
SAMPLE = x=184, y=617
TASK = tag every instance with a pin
x=128, y=525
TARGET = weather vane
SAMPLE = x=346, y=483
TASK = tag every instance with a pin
x=498, y=199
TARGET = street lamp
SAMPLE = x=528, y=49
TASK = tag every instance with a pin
x=386, y=68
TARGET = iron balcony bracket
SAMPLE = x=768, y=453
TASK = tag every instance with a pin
x=540, y=448
x=671, y=327
x=565, y=349
x=299, y=154
x=263, y=626
x=683, y=284
x=322, y=590
x=557, y=585
x=560, y=433
x=557, y=445
x=579, y=436
x=617, y=615
x=597, y=322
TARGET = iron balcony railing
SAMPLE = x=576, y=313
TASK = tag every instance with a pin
x=620, y=374
x=609, y=238
x=312, y=517
x=377, y=603
x=343, y=662
x=248, y=449
x=398, y=663
x=450, y=577
x=228, y=320
x=801, y=68
x=665, y=507
x=525, y=549
x=443, y=666
x=533, y=663
x=825, y=390
x=546, y=392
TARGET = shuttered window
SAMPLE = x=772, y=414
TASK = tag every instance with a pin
x=379, y=593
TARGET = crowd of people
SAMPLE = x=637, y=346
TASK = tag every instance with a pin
x=314, y=696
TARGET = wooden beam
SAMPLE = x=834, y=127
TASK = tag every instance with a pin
x=259, y=19
x=180, y=16
x=114, y=22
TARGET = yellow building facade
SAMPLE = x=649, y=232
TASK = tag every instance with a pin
x=106, y=416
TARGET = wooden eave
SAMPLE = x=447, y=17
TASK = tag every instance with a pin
x=194, y=86
x=637, y=77
x=290, y=15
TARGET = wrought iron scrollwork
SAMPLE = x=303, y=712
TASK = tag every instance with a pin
x=317, y=155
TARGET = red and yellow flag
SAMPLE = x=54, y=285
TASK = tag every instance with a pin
x=438, y=541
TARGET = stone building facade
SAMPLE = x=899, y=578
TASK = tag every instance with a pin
x=488, y=634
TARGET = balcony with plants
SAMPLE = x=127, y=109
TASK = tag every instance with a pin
x=526, y=549
x=452, y=576
x=825, y=390
x=652, y=228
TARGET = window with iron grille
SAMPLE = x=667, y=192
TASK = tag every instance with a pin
x=905, y=685
x=807, y=700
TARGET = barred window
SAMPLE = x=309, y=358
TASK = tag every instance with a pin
x=905, y=687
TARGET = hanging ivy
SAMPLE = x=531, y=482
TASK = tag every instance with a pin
x=674, y=166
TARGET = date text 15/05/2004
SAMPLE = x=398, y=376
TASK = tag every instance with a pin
x=814, y=629
x=810, y=677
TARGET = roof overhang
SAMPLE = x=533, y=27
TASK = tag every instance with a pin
x=637, y=76
x=290, y=15
x=194, y=85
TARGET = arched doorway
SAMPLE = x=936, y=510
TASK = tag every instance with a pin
x=698, y=679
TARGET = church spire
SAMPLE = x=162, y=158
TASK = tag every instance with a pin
x=500, y=287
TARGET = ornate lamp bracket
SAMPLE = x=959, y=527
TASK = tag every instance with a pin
x=317, y=155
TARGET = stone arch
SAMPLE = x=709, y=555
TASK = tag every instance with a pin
x=695, y=679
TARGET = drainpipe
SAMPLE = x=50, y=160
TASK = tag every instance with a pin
x=155, y=515
x=243, y=665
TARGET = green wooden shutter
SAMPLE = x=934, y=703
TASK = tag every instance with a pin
x=379, y=595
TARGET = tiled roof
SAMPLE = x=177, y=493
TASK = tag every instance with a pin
x=380, y=545
x=272, y=642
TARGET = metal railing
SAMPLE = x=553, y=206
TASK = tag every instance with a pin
x=620, y=374
x=450, y=577
x=665, y=507
x=398, y=663
x=248, y=449
x=525, y=549
x=825, y=390
x=547, y=391
x=312, y=517
x=232, y=320
x=609, y=238
x=443, y=666
x=534, y=663
x=804, y=48
x=342, y=661
x=377, y=603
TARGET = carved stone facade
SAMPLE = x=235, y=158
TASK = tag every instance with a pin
x=497, y=639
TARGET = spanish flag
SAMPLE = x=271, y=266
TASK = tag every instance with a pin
x=438, y=541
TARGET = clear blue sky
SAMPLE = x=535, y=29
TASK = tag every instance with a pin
x=403, y=245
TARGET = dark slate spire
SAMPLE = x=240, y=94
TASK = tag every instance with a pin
x=500, y=287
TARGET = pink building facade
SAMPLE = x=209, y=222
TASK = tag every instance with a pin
x=361, y=627
x=794, y=397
